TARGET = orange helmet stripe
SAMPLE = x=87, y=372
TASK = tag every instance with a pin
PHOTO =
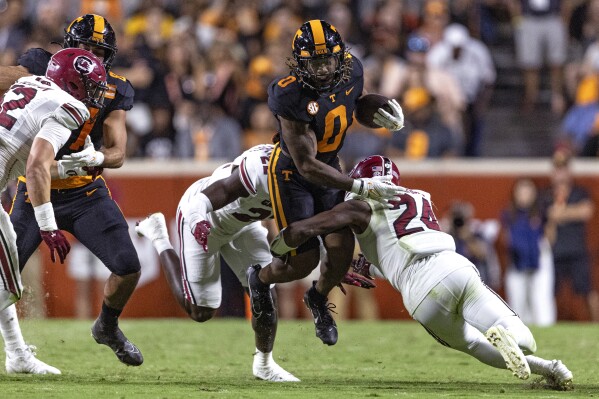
x=75, y=20
x=298, y=33
x=318, y=33
x=98, y=28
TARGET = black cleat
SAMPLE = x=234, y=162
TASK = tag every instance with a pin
x=263, y=307
x=114, y=338
x=326, y=329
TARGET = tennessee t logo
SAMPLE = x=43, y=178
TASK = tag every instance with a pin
x=332, y=97
x=287, y=173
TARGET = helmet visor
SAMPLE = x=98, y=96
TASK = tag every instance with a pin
x=95, y=92
x=322, y=69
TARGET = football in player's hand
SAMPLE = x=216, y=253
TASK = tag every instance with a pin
x=366, y=107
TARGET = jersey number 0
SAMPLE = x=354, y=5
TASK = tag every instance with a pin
x=332, y=137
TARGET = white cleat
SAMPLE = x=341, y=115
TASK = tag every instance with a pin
x=153, y=227
x=507, y=346
x=559, y=377
x=273, y=373
x=23, y=361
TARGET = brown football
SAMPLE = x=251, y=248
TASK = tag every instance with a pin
x=366, y=107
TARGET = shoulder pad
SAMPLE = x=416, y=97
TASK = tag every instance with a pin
x=253, y=169
x=35, y=60
x=285, y=99
x=71, y=114
x=120, y=92
x=114, y=75
x=357, y=69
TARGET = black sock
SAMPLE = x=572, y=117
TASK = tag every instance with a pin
x=261, y=284
x=110, y=316
x=318, y=294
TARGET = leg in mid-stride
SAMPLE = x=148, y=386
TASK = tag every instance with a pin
x=194, y=280
x=463, y=314
x=20, y=357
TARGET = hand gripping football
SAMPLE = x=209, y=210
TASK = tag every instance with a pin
x=366, y=107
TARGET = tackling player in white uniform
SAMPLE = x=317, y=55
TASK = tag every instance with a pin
x=220, y=215
x=36, y=119
x=440, y=288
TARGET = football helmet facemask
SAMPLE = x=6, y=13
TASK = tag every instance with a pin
x=320, y=59
x=80, y=73
x=376, y=165
x=94, y=31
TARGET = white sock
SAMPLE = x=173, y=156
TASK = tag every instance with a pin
x=10, y=329
x=262, y=359
x=539, y=366
x=161, y=244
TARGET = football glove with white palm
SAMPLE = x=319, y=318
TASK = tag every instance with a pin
x=389, y=121
x=378, y=188
x=88, y=156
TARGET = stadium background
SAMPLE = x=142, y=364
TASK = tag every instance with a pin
x=177, y=111
x=142, y=187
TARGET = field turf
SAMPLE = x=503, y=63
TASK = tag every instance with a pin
x=184, y=359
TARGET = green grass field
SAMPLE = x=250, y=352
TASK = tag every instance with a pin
x=184, y=359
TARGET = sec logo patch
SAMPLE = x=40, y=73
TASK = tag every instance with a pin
x=312, y=107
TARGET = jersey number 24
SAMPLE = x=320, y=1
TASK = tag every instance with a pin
x=420, y=219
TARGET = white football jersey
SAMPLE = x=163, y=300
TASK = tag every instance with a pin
x=253, y=171
x=26, y=106
x=400, y=242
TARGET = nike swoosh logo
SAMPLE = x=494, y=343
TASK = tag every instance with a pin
x=129, y=347
x=255, y=310
x=88, y=193
x=349, y=91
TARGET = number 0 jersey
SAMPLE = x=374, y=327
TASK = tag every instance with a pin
x=400, y=241
x=230, y=219
x=26, y=106
x=327, y=114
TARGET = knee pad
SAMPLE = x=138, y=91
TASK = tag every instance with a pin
x=125, y=262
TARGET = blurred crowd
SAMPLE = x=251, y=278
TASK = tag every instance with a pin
x=200, y=67
x=539, y=245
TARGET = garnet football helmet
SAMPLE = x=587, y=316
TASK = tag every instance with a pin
x=376, y=165
x=321, y=60
x=92, y=30
x=79, y=73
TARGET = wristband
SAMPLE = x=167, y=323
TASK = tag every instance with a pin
x=44, y=214
x=357, y=186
